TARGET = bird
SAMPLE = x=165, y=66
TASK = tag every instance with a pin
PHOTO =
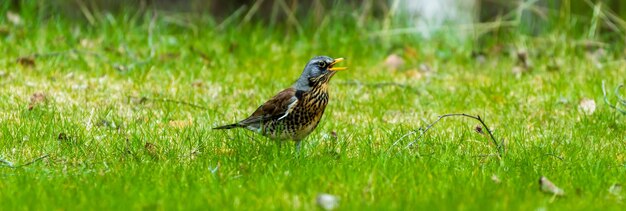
x=295, y=112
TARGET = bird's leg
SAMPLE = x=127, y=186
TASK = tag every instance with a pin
x=298, y=146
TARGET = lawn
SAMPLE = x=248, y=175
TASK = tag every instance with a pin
x=117, y=113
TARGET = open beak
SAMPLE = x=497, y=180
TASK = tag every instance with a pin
x=337, y=60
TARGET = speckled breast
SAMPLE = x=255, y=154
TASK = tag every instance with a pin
x=302, y=120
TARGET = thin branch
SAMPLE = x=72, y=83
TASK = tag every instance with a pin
x=422, y=131
x=11, y=165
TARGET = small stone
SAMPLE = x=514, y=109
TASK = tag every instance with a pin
x=547, y=186
x=327, y=201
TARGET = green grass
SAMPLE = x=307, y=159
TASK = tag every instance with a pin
x=120, y=152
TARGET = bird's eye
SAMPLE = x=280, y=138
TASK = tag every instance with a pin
x=321, y=64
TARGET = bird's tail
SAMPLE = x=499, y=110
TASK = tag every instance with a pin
x=235, y=125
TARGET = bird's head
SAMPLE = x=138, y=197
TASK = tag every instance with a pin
x=318, y=72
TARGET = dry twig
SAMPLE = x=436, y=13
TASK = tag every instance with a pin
x=422, y=131
x=11, y=165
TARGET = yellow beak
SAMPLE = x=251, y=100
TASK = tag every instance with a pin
x=337, y=60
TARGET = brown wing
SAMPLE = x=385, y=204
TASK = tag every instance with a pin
x=276, y=108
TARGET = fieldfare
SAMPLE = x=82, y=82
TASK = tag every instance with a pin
x=293, y=113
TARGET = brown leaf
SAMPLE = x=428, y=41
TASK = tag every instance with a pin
x=479, y=129
x=36, y=99
x=410, y=52
x=62, y=137
x=197, y=84
x=26, y=61
x=151, y=149
x=523, y=60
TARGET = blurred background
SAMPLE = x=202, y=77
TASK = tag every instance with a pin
x=418, y=31
x=597, y=19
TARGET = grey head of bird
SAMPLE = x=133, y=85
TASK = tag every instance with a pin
x=318, y=71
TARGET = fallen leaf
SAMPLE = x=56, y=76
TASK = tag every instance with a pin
x=26, y=61
x=479, y=129
x=151, y=149
x=62, y=137
x=523, y=60
x=394, y=62
x=587, y=106
x=327, y=201
x=547, y=186
x=36, y=99
x=410, y=52
x=197, y=84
